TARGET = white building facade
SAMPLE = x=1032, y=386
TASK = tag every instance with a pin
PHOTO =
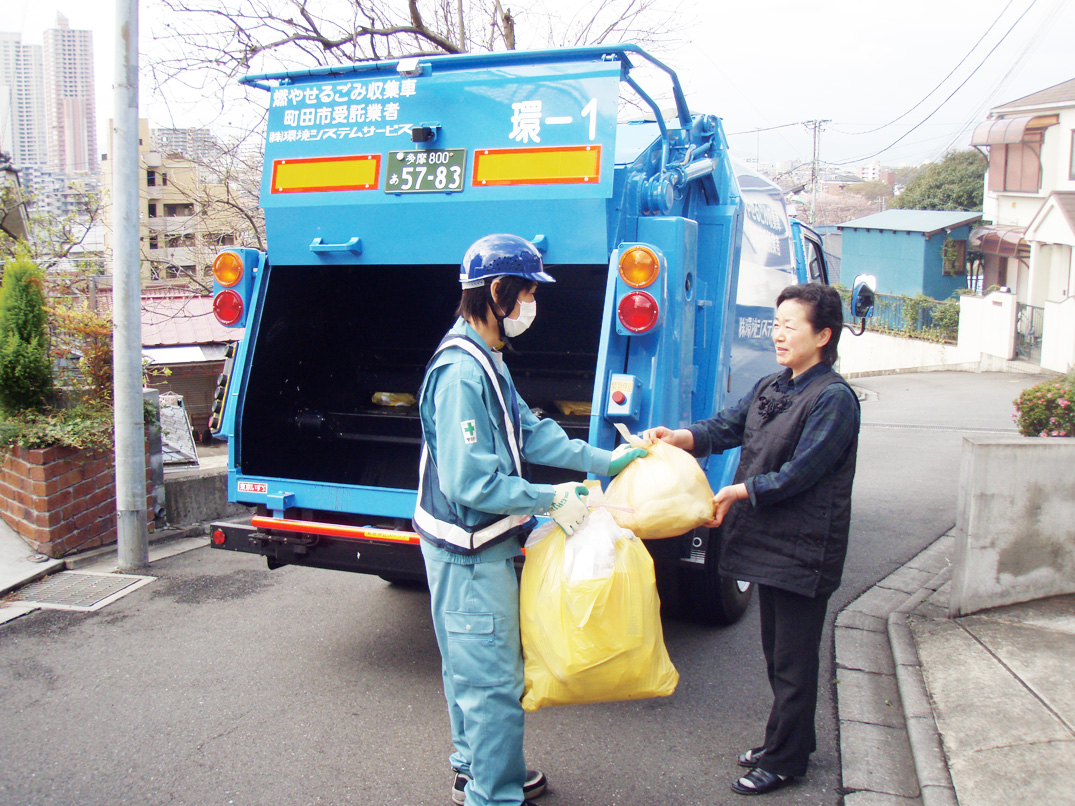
x=22, y=101
x=1028, y=242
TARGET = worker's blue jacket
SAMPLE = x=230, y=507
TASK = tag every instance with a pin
x=476, y=433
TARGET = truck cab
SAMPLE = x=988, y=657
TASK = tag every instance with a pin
x=667, y=253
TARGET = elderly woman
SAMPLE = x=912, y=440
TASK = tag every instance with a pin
x=787, y=514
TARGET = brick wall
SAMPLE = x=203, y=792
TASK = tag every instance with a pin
x=61, y=499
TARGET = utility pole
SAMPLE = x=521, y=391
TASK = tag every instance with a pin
x=131, y=530
x=816, y=126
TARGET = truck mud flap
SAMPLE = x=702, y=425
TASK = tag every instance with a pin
x=392, y=555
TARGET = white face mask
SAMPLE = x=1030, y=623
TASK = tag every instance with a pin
x=527, y=314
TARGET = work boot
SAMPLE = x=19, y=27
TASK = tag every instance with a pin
x=533, y=787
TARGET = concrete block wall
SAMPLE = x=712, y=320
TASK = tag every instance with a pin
x=1015, y=523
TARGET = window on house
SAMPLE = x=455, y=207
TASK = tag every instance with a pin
x=152, y=210
x=1071, y=160
x=1015, y=167
x=154, y=271
x=151, y=179
x=164, y=179
x=153, y=242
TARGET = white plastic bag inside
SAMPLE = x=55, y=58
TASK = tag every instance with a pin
x=589, y=553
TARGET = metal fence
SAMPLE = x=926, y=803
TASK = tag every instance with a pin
x=1028, y=326
x=913, y=316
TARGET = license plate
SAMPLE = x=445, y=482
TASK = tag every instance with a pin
x=426, y=171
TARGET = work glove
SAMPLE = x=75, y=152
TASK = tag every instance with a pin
x=568, y=508
x=623, y=456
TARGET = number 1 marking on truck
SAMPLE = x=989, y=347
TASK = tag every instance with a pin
x=591, y=110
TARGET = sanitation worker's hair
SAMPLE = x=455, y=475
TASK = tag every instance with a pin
x=823, y=310
x=477, y=302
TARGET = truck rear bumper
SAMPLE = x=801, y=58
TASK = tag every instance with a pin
x=390, y=554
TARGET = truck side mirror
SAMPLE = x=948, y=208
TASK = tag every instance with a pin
x=862, y=301
x=862, y=296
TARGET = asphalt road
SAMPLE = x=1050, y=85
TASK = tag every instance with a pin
x=224, y=683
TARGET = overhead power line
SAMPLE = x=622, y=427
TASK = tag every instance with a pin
x=950, y=95
x=943, y=80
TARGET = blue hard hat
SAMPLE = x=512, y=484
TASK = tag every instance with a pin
x=496, y=255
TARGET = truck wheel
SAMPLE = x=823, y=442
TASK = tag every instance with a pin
x=712, y=598
x=407, y=583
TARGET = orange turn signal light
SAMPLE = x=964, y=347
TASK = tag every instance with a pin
x=639, y=266
x=228, y=269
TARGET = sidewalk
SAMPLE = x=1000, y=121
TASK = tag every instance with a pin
x=19, y=565
x=978, y=711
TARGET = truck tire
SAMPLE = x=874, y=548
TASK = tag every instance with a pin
x=710, y=598
x=405, y=582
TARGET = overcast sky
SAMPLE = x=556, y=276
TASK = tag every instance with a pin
x=760, y=64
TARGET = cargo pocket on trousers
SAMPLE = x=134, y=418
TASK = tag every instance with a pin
x=477, y=654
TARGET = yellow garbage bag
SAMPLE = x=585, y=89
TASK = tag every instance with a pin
x=591, y=640
x=662, y=494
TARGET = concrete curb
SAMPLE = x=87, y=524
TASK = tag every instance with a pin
x=891, y=749
x=930, y=762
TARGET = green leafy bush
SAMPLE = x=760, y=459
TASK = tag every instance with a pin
x=1048, y=409
x=83, y=426
x=25, y=366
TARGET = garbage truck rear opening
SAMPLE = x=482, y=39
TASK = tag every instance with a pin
x=668, y=256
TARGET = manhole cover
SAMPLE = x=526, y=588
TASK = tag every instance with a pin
x=80, y=590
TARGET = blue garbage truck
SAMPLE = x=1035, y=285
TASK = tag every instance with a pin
x=668, y=256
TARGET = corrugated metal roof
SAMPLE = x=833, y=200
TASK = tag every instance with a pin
x=924, y=221
x=168, y=321
x=1062, y=94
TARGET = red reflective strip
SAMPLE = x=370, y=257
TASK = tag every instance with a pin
x=334, y=530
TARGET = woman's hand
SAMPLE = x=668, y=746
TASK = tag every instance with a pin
x=723, y=500
x=681, y=437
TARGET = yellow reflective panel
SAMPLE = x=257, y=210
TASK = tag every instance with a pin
x=316, y=174
x=537, y=166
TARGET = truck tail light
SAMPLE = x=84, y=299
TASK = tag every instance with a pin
x=639, y=266
x=638, y=312
x=233, y=284
x=228, y=269
x=219, y=538
x=228, y=307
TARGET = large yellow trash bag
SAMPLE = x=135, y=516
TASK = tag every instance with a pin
x=591, y=639
x=662, y=494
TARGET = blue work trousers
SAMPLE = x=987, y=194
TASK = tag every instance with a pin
x=476, y=619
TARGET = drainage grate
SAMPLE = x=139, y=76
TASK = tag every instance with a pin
x=80, y=590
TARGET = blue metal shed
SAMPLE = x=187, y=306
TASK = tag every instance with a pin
x=904, y=249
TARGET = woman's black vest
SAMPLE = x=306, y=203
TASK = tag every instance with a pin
x=797, y=544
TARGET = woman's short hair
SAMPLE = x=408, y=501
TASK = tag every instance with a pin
x=477, y=302
x=824, y=309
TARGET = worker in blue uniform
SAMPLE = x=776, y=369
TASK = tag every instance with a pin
x=475, y=509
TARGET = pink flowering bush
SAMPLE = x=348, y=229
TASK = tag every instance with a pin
x=1047, y=410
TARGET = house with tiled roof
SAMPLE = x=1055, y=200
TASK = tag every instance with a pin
x=184, y=345
x=1027, y=238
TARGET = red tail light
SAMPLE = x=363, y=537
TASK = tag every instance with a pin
x=638, y=312
x=219, y=537
x=228, y=307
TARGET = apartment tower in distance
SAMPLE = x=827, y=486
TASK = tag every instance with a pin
x=22, y=102
x=70, y=117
